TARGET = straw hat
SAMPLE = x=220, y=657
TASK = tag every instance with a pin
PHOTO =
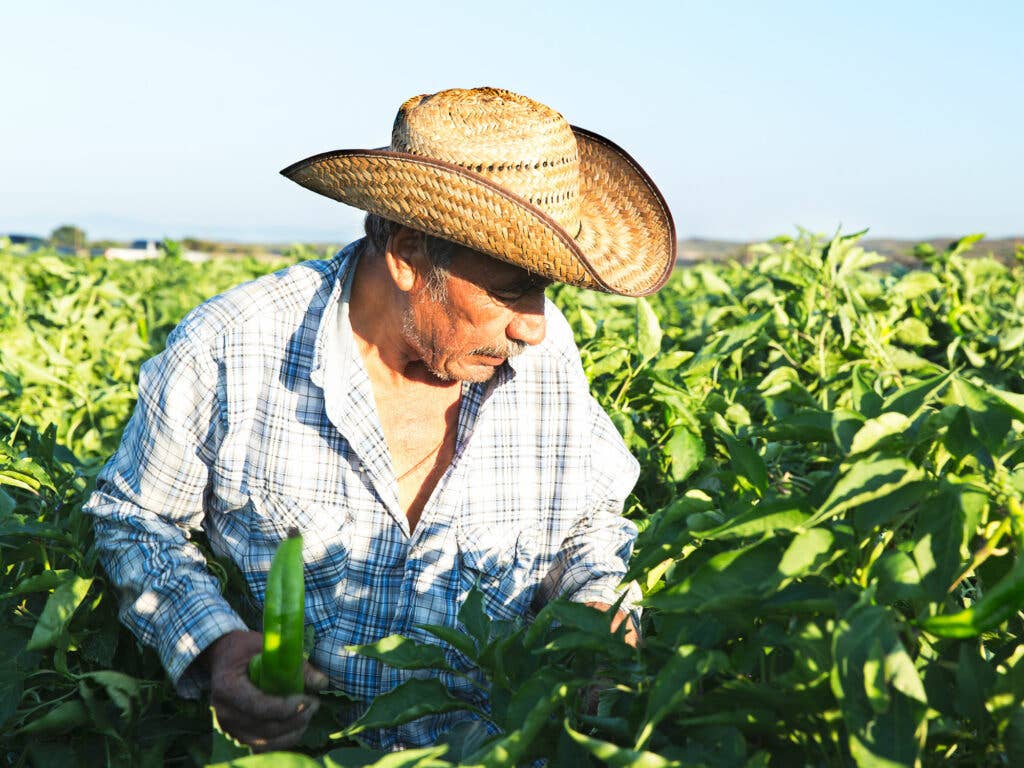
x=509, y=177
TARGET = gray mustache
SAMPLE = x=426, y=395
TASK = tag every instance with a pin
x=510, y=349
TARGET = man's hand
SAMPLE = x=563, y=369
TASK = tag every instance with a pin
x=632, y=637
x=591, y=695
x=253, y=717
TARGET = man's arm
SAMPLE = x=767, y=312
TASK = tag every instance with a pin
x=148, y=496
x=632, y=636
x=594, y=557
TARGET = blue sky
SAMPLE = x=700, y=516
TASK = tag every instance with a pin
x=145, y=120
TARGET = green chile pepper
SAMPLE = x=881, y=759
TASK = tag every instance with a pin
x=278, y=669
x=999, y=604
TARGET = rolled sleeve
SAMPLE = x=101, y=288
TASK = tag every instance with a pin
x=148, y=496
x=594, y=557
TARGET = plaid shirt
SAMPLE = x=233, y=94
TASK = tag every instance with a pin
x=259, y=416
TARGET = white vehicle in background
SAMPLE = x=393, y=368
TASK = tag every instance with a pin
x=140, y=250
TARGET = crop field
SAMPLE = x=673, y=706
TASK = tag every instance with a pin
x=832, y=454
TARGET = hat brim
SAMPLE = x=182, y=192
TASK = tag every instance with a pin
x=626, y=242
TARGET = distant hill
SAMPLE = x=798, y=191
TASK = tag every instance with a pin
x=696, y=249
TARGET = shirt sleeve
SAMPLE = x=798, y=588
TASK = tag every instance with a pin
x=147, y=498
x=594, y=557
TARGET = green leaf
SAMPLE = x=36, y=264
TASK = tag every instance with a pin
x=1012, y=340
x=620, y=757
x=570, y=614
x=455, y=637
x=881, y=696
x=747, y=462
x=426, y=757
x=65, y=717
x=675, y=682
x=874, y=431
x=588, y=327
x=975, y=677
x=412, y=699
x=808, y=425
x=123, y=690
x=465, y=739
x=7, y=503
x=942, y=536
x=908, y=362
x=785, y=513
x=909, y=400
x=511, y=748
x=57, y=613
x=912, y=332
x=268, y=760
x=845, y=426
x=965, y=243
x=611, y=362
x=975, y=358
x=866, y=401
x=41, y=582
x=21, y=526
x=224, y=748
x=739, y=335
x=730, y=580
x=959, y=439
x=648, y=331
x=915, y=284
x=686, y=452
x=884, y=510
x=784, y=393
x=805, y=553
x=607, y=644
x=353, y=757
x=898, y=578
x=1013, y=737
x=18, y=664
x=474, y=618
x=990, y=415
x=403, y=653
x=868, y=479
x=536, y=689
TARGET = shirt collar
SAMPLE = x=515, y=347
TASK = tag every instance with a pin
x=333, y=343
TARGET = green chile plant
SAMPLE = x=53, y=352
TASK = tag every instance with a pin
x=76, y=330
x=832, y=456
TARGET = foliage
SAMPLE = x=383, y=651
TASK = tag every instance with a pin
x=172, y=249
x=69, y=236
x=832, y=455
x=75, y=332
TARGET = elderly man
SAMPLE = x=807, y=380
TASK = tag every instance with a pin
x=414, y=406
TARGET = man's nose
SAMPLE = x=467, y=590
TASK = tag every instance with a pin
x=529, y=325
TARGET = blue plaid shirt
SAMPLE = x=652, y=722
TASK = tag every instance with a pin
x=259, y=416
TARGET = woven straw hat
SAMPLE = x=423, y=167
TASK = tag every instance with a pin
x=509, y=177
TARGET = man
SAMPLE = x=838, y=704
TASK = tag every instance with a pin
x=414, y=406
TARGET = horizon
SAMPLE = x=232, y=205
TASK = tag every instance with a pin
x=867, y=236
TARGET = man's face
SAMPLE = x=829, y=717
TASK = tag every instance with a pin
x=486, y=311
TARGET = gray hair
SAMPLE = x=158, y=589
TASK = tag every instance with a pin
x=438, y=251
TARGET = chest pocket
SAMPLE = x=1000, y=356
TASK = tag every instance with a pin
x=326, y=532
x=501, y=561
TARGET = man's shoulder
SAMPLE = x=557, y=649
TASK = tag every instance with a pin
x=285, y=296
x=558, y=354
x=558, y=336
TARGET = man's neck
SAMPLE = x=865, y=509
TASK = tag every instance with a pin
x=375, y=312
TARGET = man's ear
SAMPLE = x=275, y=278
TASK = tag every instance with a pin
x=405, y=258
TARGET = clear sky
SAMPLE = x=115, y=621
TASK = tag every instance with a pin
x=137, y=119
